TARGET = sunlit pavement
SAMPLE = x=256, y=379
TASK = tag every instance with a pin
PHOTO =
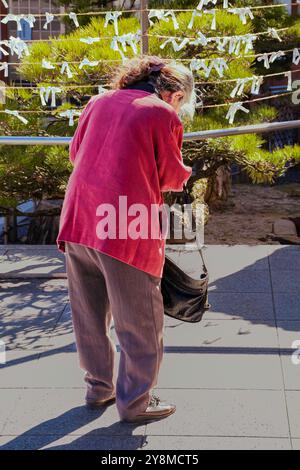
x=234, y=376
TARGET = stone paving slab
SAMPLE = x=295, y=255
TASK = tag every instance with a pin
x=293, y=404
x=238, y=334
x=253, y=413
x=8, y=401
x=288, y=333
x=247, y=280
x=32, y=262
x=90, y=441
x=240, y=305
x=221, y=371
x=53, y=411
x=286, y=258
x=30, y=310
x=287, y=305
x=216, y=443
x=285, y=281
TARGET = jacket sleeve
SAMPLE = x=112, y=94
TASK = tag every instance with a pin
x=172, y=172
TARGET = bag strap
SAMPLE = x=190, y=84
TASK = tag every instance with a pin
x=188, y=200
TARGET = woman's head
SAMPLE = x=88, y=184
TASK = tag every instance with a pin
x=172, y=81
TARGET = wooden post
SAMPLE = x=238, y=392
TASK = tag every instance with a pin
x=144, y=27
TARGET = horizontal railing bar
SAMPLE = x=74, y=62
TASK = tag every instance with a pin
x=189, y=136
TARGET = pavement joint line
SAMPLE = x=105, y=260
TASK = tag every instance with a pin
x=280, y=356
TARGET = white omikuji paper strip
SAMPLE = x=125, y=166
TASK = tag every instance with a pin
x=70, y=113
x=45, y=93
x=177, y=47
x=203, y=3
x=73, y=17
x=49, y=19
x=16, y=114
x=289, y=77
x=234, y=107
x=296, y=56
x=89, y=40
x=239, y=87
x=219, y=64
x=4, y=67
x=241, y=82
x=163, y=15
x=200, y=13
x=5, y=4
x=3, y=51
x=112, y=16
x=86, y=62
x=129, y=39
x=269, y=58
x=65, y=68
x=272, y=32
x=256, y=84
x=242, y=13
x=18, y=46
x=30, y=19
x=47, y=65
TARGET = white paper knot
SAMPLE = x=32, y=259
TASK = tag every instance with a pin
x=200, y=40
x=47, y=65
x=65, y=68
x=73, y=17
x=162, y=15
x=256, y=84
x=289, y=77
x=4, y=67
x=30, y=19
x=130, y=38
x=86, y=62
x=89, y=40
x=296, y=56
x=18, y=46
x=49, y=19
x=239, y=87
x=272, y=32
x=203, y=3
x=238, y=106
x=15, y=113
x=242, y=13
x=112, y=16
x=70, y=113
x=45, y=93
x=176, y=46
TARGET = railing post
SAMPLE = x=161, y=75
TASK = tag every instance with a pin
x=144, y=27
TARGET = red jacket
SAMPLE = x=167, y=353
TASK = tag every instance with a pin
x=127, y=143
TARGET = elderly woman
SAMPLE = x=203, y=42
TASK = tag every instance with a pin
x=125, y=152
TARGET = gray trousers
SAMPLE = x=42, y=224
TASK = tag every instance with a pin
x=102, y=288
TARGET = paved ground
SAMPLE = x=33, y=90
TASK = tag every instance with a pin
x=231, y=375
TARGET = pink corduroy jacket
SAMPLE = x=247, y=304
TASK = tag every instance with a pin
x=127, y=144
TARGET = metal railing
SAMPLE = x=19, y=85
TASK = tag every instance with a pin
x=189, y=136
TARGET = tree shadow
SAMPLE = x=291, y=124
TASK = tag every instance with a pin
x=117, y=436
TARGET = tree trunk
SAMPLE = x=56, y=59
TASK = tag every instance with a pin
x=218, y=187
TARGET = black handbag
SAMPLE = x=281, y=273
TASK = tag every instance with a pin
x=185, y=298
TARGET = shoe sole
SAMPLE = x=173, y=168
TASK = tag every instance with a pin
x=148, y=419
x=95, y=405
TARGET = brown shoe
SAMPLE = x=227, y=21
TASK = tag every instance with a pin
x=156, y=410
x=94, y=404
